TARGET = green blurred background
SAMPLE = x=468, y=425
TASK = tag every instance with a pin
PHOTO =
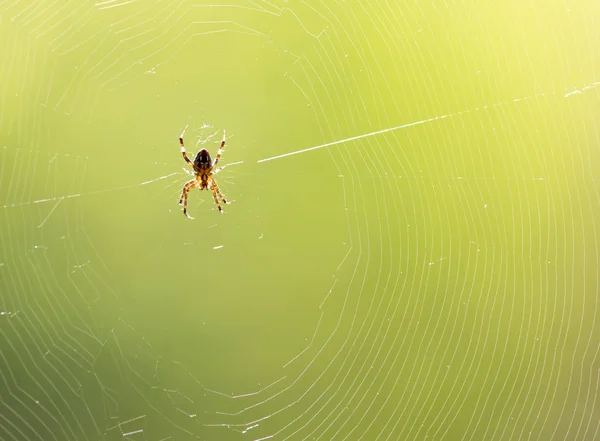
x=436, y=281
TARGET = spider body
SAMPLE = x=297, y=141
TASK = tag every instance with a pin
x=202, y=166
x=204, y=171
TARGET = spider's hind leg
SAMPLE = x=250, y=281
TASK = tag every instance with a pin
x=214, y=192
x=218, y=190
x=184, y=196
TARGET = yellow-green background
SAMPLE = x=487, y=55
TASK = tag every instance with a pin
x=438, y=281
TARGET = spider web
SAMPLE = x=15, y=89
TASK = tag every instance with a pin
x=412, y=252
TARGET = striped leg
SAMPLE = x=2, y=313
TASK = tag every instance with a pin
x=214, y=192
x=184, y=195
x=218, y=190
x=219, y=169
x=183, y=152
x=220, y=151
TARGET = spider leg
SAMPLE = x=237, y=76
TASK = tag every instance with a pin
x=183, y=152
x=213, y=188
x=186, y=189
x=184, y=195
x=220, y=151
x=218, y=190
x=219, y=169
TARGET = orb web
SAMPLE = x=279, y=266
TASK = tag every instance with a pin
x=461, y=176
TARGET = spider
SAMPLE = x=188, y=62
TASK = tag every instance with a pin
x=203, y=170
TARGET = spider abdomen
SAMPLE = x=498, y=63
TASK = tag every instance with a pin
x=203, y=160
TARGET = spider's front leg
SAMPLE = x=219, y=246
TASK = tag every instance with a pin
x=183, y=152
x=220, y=151
x=184, y=195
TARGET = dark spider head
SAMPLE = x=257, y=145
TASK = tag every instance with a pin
x=203, y=159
